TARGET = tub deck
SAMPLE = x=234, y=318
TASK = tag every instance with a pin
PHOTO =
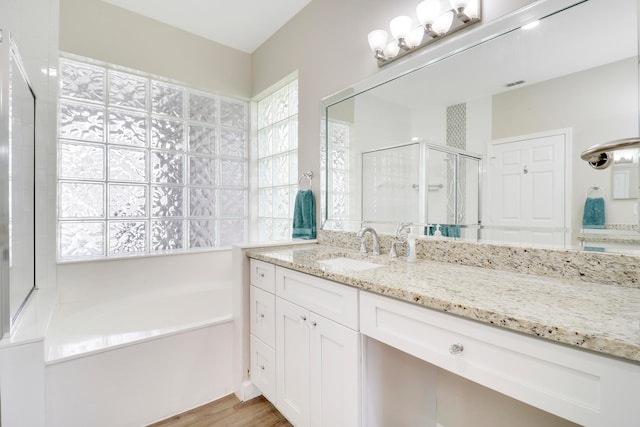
x=81, y=329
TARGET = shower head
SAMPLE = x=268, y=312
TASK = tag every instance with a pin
x=600, y=156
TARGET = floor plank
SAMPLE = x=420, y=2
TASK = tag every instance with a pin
x=229, y=411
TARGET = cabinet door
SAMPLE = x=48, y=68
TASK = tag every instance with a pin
x=335, y=373
x=292, y=362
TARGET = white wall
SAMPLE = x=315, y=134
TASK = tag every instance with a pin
x=105, y=280
x=99, y=30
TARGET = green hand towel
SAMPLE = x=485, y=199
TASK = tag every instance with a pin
x=304, y=216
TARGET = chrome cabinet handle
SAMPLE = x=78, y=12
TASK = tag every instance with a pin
x=456, y=349
x=261, y=275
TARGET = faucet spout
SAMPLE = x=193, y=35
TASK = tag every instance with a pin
x=376, y=243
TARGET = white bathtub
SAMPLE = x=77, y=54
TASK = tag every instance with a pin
x=134, y=360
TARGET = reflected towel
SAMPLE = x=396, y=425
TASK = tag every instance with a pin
x=593, y=215
x=304, y=216
x=447, y=230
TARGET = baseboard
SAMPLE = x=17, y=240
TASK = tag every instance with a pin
x=248, y=391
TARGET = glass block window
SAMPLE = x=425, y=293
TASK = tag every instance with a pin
x=147, y=166
x=277, y=162
x=334, y=161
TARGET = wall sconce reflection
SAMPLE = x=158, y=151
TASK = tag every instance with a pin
x=436, y=18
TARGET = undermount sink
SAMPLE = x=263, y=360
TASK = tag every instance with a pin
x=350, y=264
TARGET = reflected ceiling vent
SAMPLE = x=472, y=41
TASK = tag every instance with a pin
x=512, y=84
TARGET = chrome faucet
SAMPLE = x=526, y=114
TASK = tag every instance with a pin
x=393, y=253
x=376, y=243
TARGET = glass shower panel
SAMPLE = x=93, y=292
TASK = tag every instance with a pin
x=469, y=197
x=17, y=185
x=391, y=184
x=440, y=188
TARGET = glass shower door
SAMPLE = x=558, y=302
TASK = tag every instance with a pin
x=17, y=185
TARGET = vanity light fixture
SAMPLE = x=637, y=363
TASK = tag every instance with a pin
x=436, y=18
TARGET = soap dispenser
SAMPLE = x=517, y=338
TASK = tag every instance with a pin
x=411, y=246
x=437, y=234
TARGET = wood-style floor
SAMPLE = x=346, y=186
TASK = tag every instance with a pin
x=229, y=411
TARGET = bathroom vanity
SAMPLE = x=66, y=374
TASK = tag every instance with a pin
x=568, y=347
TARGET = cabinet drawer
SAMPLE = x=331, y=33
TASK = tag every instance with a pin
x=262, y=312
x=568, y=382
x=263, y=275
x=329, y=299
x=263, y=368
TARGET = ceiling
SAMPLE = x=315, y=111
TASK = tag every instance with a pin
x=239, y=24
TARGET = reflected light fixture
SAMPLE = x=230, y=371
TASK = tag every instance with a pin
x=436, y=19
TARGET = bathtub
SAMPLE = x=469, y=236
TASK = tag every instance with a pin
x=133, y=360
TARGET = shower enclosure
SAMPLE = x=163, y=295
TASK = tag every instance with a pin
x=17, y=185
x=422, y=183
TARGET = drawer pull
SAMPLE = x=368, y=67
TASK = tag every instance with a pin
x=456, y=349
x=303, y=318
x=261, y=315
x=313, y=323
x=261, y=367
x=261, y=275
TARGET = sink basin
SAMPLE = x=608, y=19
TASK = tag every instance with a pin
x=350, y=264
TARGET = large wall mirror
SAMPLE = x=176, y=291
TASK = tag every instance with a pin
x=484, y=145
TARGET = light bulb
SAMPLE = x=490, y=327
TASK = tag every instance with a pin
x=414, y=38
x=428, y=11
x=400, y=27
x=466, y=10
x=377, y=40
x=391, y=50
x=459, y=4
x=443, y=23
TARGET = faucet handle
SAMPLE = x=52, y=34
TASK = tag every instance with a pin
x=393, y=253
x=403, y=226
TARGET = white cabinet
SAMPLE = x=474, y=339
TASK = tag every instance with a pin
x=311, y=369
x=317, y=351
x=262, y=305
x=581, y=386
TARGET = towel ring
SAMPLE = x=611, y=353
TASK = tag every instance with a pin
x=309, y=176
x=594, y=189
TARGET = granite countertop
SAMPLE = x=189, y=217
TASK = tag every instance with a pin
x=593, y=316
